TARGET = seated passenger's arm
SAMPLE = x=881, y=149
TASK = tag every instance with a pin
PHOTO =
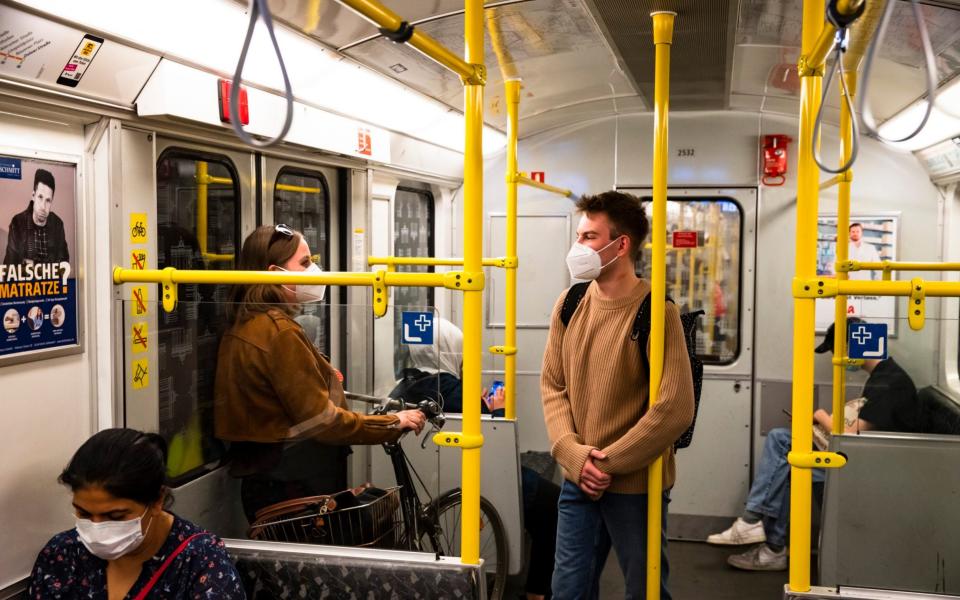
x=567, y=446
x=666, y=421
x=305, y=394
x=858, y=426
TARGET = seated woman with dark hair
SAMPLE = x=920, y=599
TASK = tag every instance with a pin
x=126, y=544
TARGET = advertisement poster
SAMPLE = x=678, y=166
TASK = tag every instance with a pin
x=38, y=241
x=870, y=238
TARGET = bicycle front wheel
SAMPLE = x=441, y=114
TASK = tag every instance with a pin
x=446, y=514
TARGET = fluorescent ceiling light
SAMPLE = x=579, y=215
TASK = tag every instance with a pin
x=210, y=33
x=940, y=126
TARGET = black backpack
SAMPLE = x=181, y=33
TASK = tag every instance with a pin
x=641, y=332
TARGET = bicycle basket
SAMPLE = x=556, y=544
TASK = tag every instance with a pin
x=365, y=516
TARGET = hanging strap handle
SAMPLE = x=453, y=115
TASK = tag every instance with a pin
x=156, y=575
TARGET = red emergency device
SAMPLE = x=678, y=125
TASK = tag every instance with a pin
x=775, y=159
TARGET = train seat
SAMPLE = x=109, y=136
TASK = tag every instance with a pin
x=272, y=570
x=887, y=513
x=938, y=412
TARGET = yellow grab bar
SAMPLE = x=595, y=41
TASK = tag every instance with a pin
x=286, y=187
x=662, y=40
x=816, y=40
x=383, y=17
x=892, y=265
x=503, y=262
x=521, y=179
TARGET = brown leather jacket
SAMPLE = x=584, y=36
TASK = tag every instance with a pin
x=273, y=386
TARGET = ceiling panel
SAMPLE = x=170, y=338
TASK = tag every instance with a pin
x=699, y=57
x=768, y=38
x=338, y=26
x=555, y=46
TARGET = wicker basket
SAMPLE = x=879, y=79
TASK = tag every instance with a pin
x=367, y=517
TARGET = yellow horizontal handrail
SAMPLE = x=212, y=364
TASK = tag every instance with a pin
x=286, y=187
x=121, y=275
x=815, y=59
x=170, y=278
x=830, y=287
x=212, y=179
x=543, y=186
x=210, y=257
x=425, y=261
x=383, y=17
x=892, y=265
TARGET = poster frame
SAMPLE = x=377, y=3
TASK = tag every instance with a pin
x=895, y=216
x=78, y=258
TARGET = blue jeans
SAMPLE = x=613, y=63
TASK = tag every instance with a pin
x=587, y=529
x=770, y=493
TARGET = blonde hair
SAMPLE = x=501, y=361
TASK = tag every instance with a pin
x=266, y=246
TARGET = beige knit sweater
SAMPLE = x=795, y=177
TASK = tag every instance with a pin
x=594, y=387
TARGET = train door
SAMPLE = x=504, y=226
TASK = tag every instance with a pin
x=190, y=204
x=710, y=267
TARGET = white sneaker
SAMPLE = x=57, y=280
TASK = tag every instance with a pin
x=760, y=558
x=739, y=533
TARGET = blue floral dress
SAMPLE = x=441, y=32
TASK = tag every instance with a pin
x=65, y=569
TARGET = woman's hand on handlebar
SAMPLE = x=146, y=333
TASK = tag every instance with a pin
x=411, y=420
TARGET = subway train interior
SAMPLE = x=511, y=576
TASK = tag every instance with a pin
x=431, y=154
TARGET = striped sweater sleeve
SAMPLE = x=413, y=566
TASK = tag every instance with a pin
x=661, y=425
x=567, y=447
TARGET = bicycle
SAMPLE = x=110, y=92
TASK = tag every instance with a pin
x=433, y=526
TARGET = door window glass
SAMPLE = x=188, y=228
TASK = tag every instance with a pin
x=301, y=200
x=413, y=223
x=197, y=228
x=705, y=277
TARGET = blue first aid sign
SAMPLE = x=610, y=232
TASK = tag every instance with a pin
x=867, y=340
x=417, y=328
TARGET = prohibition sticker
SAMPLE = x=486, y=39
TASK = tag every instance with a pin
x=138, y=259
x=138, y=337
x=138, y=228
x=139, y=374
x=138, y=301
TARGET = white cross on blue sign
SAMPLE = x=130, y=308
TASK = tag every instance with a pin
x=417, y=328
x=867, y=340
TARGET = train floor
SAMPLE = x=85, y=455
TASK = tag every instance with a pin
x=697, y=572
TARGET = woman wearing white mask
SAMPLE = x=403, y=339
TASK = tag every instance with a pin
x=278, y=401
x=126, y=544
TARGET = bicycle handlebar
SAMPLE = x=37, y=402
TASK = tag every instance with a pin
x=430, y=408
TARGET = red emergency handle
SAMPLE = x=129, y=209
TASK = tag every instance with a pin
x=775, y=159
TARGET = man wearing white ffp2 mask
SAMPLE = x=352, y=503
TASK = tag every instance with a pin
x=584, y=262
x=596, y=391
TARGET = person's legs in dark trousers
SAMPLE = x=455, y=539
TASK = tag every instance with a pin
x=540, y=498
x=625, y=517
x=582, y=546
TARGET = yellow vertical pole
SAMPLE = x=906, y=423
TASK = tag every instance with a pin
x=512, y=92
x=711, y=282
x=472, y=300
x=678, y=256
x=662, y=39
x=203, y=182
x=694, y=252
x=842, y=253
x=808, y=187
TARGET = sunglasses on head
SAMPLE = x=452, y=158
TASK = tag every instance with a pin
x=280, y=230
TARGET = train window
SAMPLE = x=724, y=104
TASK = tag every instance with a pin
x=302, y=201
x=706, y=277
x=413, y=223
x=198, y=227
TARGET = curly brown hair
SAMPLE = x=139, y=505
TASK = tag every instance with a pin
x=625, y=213
x=267, y=245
